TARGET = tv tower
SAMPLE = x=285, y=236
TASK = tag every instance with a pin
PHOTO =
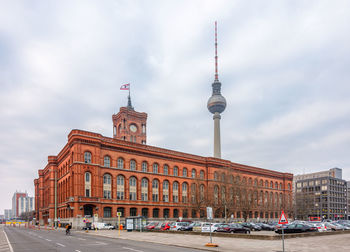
x=216, y=103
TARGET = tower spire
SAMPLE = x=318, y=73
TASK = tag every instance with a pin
x=216, y=53
x=129, y=101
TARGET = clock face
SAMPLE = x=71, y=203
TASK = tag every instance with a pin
x=133, y=128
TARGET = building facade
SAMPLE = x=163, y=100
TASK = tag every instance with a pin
x=99, y=176
x=8, y=214
x=321, y=195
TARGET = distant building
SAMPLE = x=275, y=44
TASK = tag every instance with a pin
x=320, y=195
x=2, y=216
x=21, y=203
x=8, y=214
x=348, y=199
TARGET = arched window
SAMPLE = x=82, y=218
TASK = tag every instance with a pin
x=144, y=166
x=120, y=163
x=176, y=171
x=107, y=186
x=238, y=179
x=255, y=182
x=120, y=187
x=107, y=161
x=271, y=184
x=271, y=199
x=250, y=181
x=107, y=212
x=280, y=186
x=255, y=198
x=132, y=188
x=193, y=193
x=216, y=194
x=231, y=179
x=175, y=192
x=244, y=181
x=184, y=172
x=266, y=198
x=201, y=174
x=193, y=173
x=144, y=189
x=87, y=157
x=165, y=169
x=266, y=184
x=166, y=191
x=231, y=195
x=216, y=176
x=223, y=178
x=276, y=199
x=201, y=192
x=155, y=168
x=184, y=192
x=132, y=165
x=223, y=194
x=87, y=184
x=276, y=185
x=280, y=200
x=261, y=183
x=155, y=190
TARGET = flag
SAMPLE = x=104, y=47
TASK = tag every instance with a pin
x=125, y=87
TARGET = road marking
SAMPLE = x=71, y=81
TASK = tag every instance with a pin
x=8, y=242
x=82, y=239
x=47, y=239
x=132, y=249
x=40, y=236
x=77, y=250
x=59, y=244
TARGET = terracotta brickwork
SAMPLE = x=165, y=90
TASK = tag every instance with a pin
x=99, y=175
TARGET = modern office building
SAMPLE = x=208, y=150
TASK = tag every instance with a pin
x=8, y=214
x=320, y=195
x=21, y=203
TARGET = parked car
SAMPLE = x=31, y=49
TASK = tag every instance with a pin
x=332, y=227
x=87, y=226
x=233, y=228
x=321, y=227
x=109, y=226
x=265, y=226
x=175, y=226
x=151, y=225
x=197, y=226
x=165, y=226
x=215, y=226
x=101, y=225
x=251, y=226
x=188, y=227
x=296, y=228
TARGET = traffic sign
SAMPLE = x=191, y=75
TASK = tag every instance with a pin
x=209, y=213
x=283, y=219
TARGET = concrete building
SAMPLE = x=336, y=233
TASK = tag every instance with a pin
x=8, y=214
x=21, y=203
x=320, y=195
x=348, y=199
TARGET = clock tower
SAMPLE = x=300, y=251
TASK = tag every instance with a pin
x=129, y=125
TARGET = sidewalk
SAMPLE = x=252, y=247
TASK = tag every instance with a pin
x=318, y=243
x=4, y=246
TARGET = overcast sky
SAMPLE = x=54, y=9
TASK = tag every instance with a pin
x=283, y=65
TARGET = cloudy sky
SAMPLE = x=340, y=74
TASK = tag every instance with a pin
x=284, y=68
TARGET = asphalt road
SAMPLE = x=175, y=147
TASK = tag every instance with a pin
x=51, y=240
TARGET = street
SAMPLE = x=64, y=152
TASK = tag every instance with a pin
x=53, y=240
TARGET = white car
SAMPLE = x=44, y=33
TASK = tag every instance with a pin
x=175, y=226
x=101, y=225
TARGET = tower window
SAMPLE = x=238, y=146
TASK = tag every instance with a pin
x=87, y=157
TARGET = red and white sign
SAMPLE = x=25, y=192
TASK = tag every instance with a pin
x=283, y=219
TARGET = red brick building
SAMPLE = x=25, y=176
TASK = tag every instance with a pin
x=95, y=174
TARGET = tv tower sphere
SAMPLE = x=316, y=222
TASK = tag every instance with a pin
x=216, y=103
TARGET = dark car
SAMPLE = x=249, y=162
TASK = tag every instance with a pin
x=188, y=227
x=265, y=226
x=233, y=228
x=251, y=226
x=296, y=228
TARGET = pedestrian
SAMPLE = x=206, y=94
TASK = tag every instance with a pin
x=68, y=228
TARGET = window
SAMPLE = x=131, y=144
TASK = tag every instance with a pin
x=193, y=173
x=280, y=186
x=216, y=194
x=176, y=213
x=266, y=184
x=132, y=165
x=121, y=210
x=184, y=192
x=120, y=163
x=87, y=157
x=120, y=187
x=133, y=211
x=255, y=182
x=132, y=188
x=175, y=192
x=107, y=186
x=87, y=184
x=144, y=166
x=216, y=176
x=223, y=194
x=107, y=161
x=144, y=189
x=271, y=184
x=155, y=213
x=166, y=191
x=276, y=185
x=107, y=212
x=193, y=193
x=144, y=212
x=184, y=172
x=201, y=192
x=155, y=190
x=155, y=168
x=176, y=171
x=201, y=174
x=223, y=177
x=165, y=169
